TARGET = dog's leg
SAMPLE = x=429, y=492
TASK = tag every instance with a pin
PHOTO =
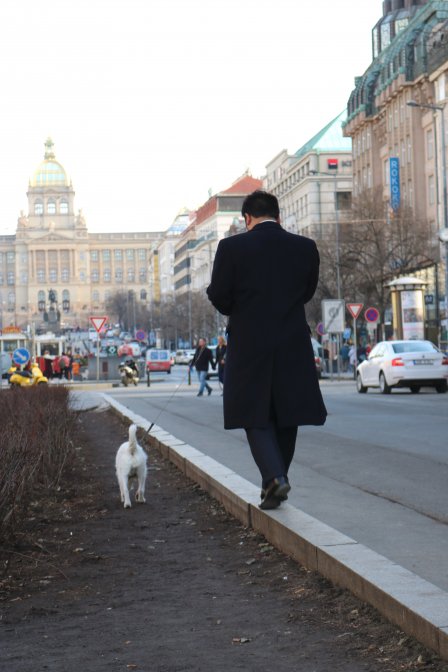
x=124, y=491
x=140, y=494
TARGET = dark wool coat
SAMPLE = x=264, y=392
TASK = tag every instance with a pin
x=262, y=279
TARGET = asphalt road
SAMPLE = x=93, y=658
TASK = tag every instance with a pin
x=377, y=471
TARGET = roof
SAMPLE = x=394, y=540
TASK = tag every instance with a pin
x=49, y=172
x=329, y=139
x=244, y=185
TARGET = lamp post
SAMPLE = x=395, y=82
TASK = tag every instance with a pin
x=443, y=233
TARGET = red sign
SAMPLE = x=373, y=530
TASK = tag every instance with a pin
x=354, y=309
x=332, y=164
x=98, y=323
x=372, y=315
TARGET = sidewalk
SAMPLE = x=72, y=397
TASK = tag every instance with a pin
x=414, y=604
x=174, y=585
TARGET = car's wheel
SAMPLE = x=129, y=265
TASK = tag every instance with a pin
x=169, y=371
x=359, y=386
x=442, y=387
x=384, y=387
x=415, y=389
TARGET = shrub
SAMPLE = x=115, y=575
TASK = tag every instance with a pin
x=35, y=445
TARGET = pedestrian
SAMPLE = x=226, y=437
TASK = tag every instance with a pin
x=345, y=348
x=352, y=358
x=64, y=364
x=262, y=280
x=57, y=371
x=47, y=361
x=221, y=358
x=202, y=358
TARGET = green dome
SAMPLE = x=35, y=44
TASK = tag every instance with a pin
x=50, y=172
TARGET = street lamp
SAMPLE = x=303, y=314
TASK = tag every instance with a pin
x=443, y=233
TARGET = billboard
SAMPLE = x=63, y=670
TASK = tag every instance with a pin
x=394, y=169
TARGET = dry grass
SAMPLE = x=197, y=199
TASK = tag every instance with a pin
x=35, y=431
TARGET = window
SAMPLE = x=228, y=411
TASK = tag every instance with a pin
x=107, y=275
x=24, y=277
x=65, y=300
x=65, y=274
x=142, y=254
x=118, y=254
x=10, y=257
x=41, y=301
x=95, y=276
x=38, y=208
x=51, y=207
x=143, y=295
x=41, y=275
x=1, y=279
x=142, y=275
x=53, y=275
x=63, y=207
x=10, y=278
x=106, y=255
x=94, y=255
x=118, y=275
x=131, y=275
x=130, y=255
x=429, y=144
x=96, y=296
x=431, y=190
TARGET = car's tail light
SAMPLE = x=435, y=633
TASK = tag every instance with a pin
x=397, y=362
x=445, y=361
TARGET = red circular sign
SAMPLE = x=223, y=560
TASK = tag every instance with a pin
x=372, y=315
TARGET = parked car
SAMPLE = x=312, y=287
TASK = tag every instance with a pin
x=184, y=356
x=413, y=364
x=158, y=360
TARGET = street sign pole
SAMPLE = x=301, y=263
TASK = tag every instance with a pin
x=98, y=323
x=355, y=345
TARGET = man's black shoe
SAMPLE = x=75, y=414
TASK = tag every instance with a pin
x=199, y=394
x=209, y=391
x=276, y=493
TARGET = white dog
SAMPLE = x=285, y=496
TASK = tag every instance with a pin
x=130, y=462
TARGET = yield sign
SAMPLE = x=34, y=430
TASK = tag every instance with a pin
x=98, y=322
x=354, y=309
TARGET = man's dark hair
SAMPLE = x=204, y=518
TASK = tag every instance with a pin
x=260, y=204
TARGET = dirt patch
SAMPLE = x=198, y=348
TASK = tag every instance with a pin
x=170, y=586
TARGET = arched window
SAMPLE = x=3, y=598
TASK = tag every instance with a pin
x=41, y=300
x=51, y=207
x=143, y=294
x=38, y=208
x=63, y=207
x=96, y=296
x=65, y=300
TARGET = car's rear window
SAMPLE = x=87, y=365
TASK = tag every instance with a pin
x=414, y=346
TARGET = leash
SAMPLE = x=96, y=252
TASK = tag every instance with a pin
x=163, y=409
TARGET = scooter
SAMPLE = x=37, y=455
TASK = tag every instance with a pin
x=26, y=378
x=127, y=374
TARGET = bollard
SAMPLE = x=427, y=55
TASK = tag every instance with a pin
x=148, y=377
x=189, y=375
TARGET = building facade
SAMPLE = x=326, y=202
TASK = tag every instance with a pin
x=396, y=118
x=53, y=272
x=314, y=185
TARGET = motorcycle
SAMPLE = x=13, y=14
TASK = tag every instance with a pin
x=26, y=378
x=128, y=374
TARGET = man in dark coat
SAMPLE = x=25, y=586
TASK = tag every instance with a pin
x=262, y=279
x=202, y=358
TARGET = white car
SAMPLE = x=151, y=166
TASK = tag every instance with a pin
x=184, y=356
x=412, y=364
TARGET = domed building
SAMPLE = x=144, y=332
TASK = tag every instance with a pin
x=53, y=272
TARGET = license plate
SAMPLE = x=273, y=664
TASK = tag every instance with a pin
x=422, y=362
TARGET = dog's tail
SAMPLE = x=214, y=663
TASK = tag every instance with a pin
x=132, y=439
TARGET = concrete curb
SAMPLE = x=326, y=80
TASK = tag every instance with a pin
x=418, y=607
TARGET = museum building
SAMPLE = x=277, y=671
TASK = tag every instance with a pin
x=53, y=272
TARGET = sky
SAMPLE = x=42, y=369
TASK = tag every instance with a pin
x=154, y=104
